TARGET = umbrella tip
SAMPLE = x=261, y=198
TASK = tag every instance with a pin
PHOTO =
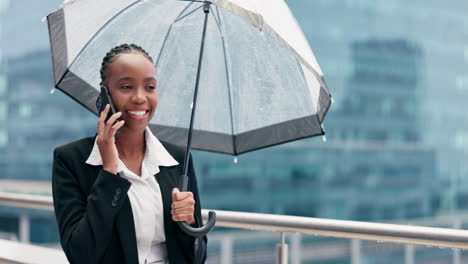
x=235, y=159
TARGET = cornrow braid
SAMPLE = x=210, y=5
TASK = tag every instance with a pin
x=115, y=52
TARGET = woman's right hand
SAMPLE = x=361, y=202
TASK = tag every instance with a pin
x=106, y=140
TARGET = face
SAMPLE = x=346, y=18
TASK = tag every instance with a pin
x=131, y=79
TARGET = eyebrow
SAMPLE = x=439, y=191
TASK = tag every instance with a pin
x=132, y=79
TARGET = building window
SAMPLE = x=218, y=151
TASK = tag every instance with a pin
x=3, y=111
x=3, y=138
x=461, y=140
x=466, y=53
x=3, y=84
x=25, y=110
x=461, y=82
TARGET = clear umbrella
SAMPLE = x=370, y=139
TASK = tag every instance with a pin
x=259, y=82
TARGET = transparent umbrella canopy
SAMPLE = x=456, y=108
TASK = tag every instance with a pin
x=260, y=84
x=233, y=75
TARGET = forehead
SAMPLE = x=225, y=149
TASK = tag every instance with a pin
x=133, y=65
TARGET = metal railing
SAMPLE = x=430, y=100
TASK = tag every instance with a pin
x=380, y=232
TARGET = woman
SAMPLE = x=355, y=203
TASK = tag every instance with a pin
x=115, y=198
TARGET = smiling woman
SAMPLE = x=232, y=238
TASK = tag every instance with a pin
x=115, y=197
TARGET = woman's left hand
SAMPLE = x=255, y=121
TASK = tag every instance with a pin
x=183, y=206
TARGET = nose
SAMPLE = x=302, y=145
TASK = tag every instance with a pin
x=139, y=96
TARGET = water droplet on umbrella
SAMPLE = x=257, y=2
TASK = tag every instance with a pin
x=52, y=90
x=44, y=19
x=332, y=100
x=235, y=159
x=324, y=138
x=191, y=106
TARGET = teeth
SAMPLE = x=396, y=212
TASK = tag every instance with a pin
x=137, y=113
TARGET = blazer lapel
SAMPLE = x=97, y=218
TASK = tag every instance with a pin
x=126, y=230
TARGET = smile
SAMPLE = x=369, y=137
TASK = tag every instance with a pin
x=138, y=114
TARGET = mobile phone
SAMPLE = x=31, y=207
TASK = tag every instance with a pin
x=104, y=99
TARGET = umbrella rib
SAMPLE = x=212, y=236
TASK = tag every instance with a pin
x=216, y=20
x=95, y=34
x=169, y=31
x=228, y=80
x=184, y=9
x=257, y=21
x=188, y=14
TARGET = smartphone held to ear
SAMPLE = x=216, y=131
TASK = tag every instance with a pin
x=104, y=99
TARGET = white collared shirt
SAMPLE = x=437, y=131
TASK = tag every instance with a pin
x=145, y=198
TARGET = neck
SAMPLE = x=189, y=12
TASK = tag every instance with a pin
x=131, y=143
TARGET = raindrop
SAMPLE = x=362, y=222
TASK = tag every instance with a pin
x=191, y=105
x=324, y=138
x=235, y=159
x=52, y=91
x=332, y=100
x=44, y=19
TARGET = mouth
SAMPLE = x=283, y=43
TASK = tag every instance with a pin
x=138, y=114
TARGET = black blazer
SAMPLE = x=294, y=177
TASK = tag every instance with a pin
x=94, y=213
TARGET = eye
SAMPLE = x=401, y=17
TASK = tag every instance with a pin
x=151, y=87
x=126, y=87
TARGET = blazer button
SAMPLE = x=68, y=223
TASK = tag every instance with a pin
x=118, y=191
x=116, y=196
x=114, y=203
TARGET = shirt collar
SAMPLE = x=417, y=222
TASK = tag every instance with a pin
x=156, y=155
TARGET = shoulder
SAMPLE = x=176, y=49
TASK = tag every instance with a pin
x=79, y=149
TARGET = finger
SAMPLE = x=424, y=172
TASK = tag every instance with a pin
x=100, y=126
x=185, y=210
x=101, y=119
x=117, y=125
x=113, y=118
x=184, y=217
x=104, y=112
x=183, y=195
x=174, y=192
x=182, y=204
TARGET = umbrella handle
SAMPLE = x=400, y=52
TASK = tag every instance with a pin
x=199, y=231
x=195, y=231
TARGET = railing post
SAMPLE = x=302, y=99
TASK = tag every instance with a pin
x=456, y=259
x=282, y=251
x=296, y=249
x=355, y=251
x=24, y=228
x=409, y=254
x=226, y=250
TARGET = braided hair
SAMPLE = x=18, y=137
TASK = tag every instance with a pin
x=113, y=54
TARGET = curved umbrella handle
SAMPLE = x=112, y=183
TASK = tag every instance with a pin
x=200, y=231
x=195, y=231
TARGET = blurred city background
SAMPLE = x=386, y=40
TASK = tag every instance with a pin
x=396, y=146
